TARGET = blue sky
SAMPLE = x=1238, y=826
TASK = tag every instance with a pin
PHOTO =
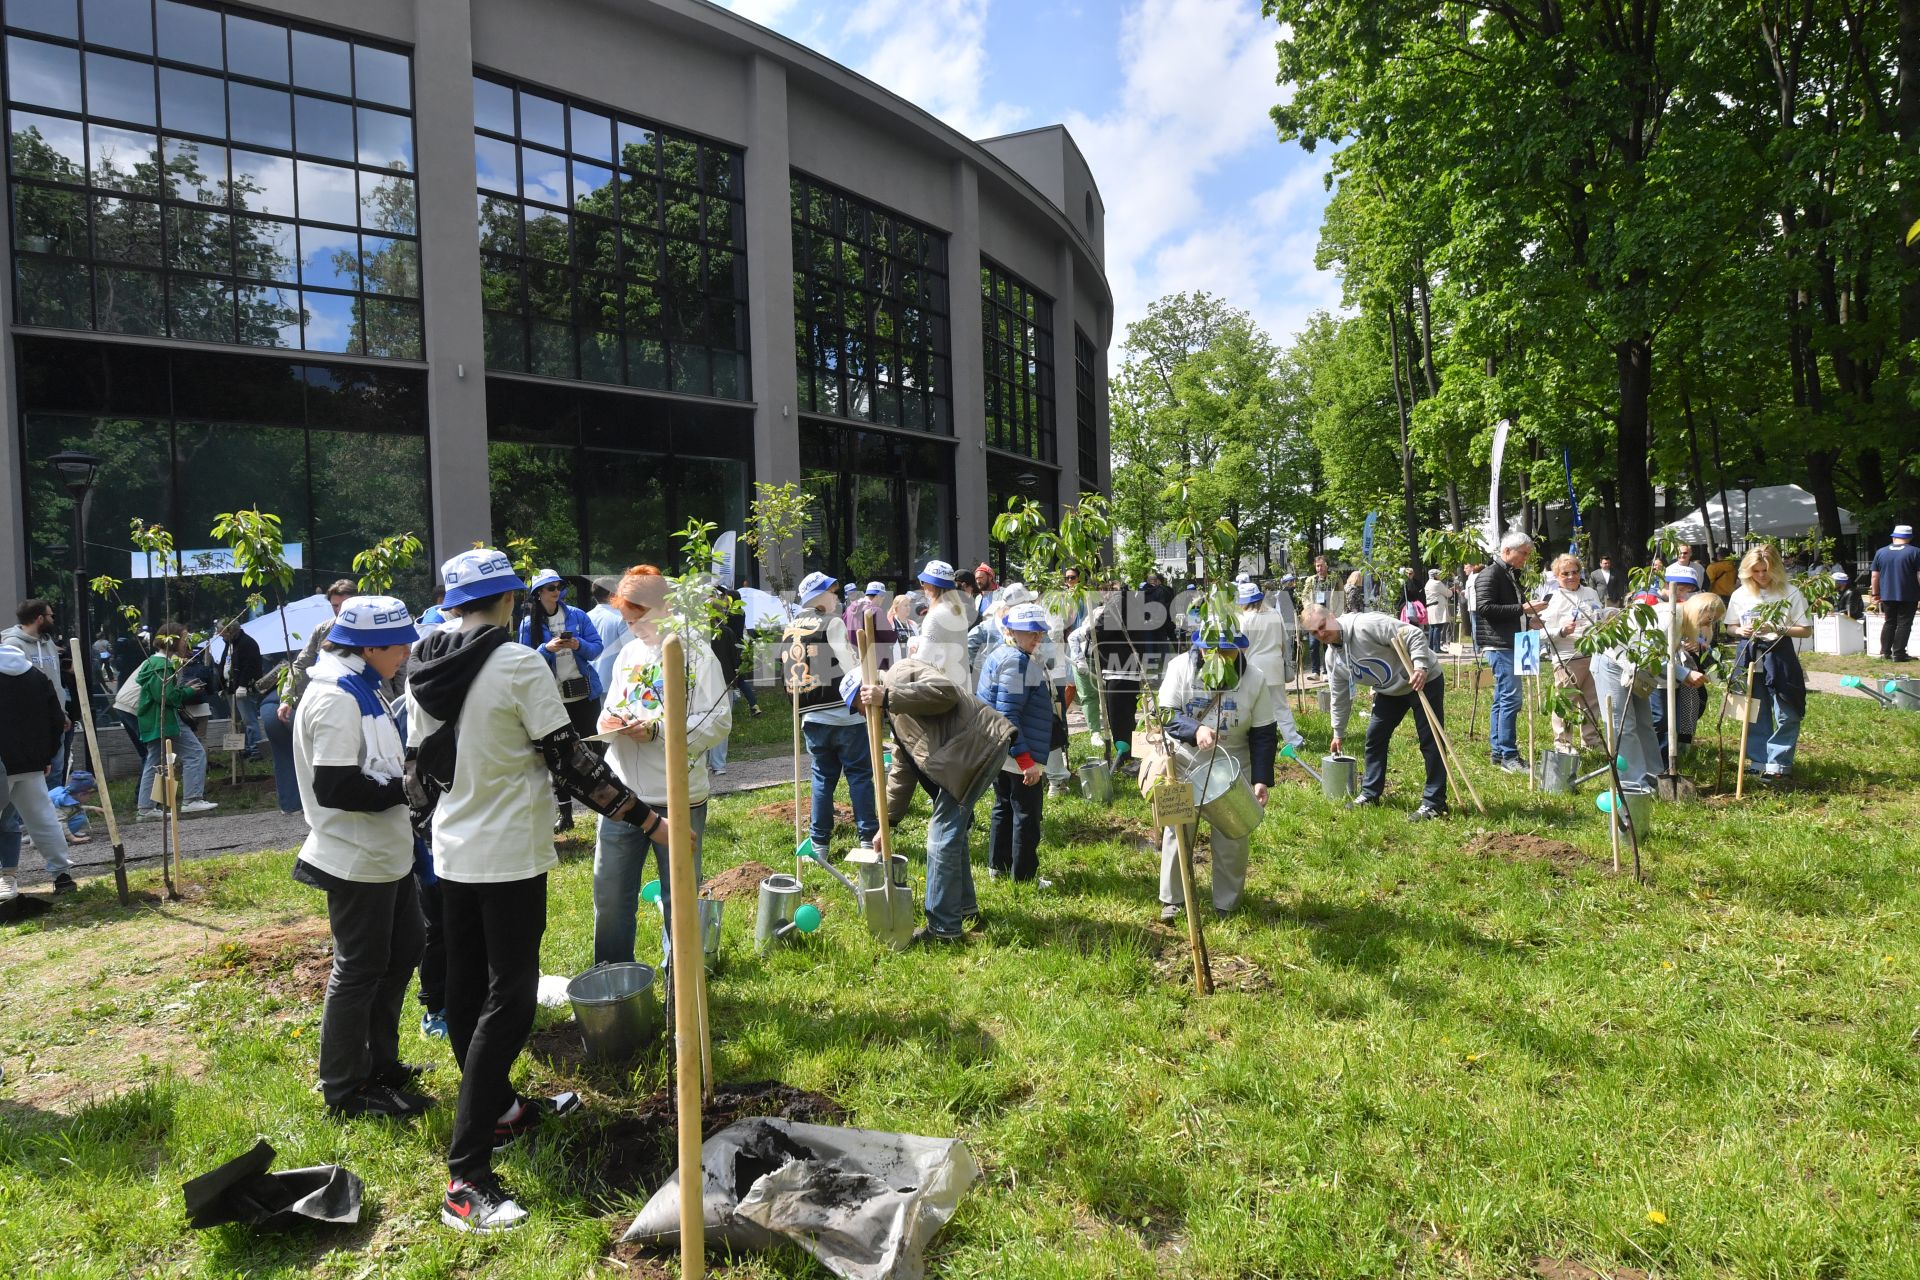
x=1167, y=98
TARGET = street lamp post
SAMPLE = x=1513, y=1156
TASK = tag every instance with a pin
x=76, y=473
x=1746, y=483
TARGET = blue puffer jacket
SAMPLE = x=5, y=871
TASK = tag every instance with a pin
x=590, y=644
x=1011, y=684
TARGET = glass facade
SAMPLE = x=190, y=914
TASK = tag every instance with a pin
x=601, y=480
x=338, y=452
x=1017, y=348
x=1085, y=409
x=612, y=250
x=870, y=311
x=882, y=504
x=193, y=172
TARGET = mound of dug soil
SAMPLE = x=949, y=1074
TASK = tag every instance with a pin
x=783, y=810
x=1525, y=848
x=1230, y=972
x=742, y=881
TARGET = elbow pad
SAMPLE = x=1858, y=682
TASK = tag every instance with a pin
x=587, y=777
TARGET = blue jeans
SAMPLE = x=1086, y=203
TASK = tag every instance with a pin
x=280, y=738
x=193, y=764
x=717, y=755
x=950, y=898
x=619, y=868
x=1503, y=719
x=1772, y=737
x=1632, y=720
x=837, y=749
x=249, y=708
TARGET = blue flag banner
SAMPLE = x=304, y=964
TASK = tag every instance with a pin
x=1573, y=503
x=1366, y=550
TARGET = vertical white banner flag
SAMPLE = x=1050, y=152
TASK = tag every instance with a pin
x=1495, y=526
x=723, y=558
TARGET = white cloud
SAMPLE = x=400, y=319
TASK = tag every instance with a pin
x=933, y=53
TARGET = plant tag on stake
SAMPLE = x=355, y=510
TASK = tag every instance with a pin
x=1526, y=653
x=1173, y=804
x=233, y=742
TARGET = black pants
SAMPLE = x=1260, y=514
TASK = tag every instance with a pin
x=1897, y=631
x=376, y=941
x=1122, y=709
x=584, y=713
x=433, y=952
x=493, y=976
x=1013, y=836
x=1388, y=711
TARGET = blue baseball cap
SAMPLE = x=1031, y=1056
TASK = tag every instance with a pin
x=477, y=574
x=1026, y=617
x=548, y=578
x=1683, y=573
x=373, y=622
x=876, y=589
x=1218, y=640
x=80, y=780
x=1250, y=593
x=815, y=585
x=938, y=573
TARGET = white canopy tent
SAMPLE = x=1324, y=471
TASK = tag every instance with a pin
x=1779, y=511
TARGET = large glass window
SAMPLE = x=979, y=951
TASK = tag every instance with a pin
x=337, y=452
x=1017, y=344
x=186, y=171
x=870, y=311
x=1086, y=410
x=1010, y=480
x=612, y=250
x=604, y=479
x=882, y=503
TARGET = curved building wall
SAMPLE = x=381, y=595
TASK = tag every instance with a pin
x=607, y=351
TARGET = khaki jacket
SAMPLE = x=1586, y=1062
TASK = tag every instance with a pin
x=953, y=738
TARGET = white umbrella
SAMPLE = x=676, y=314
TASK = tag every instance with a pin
x=300, y=618
x=758, y=606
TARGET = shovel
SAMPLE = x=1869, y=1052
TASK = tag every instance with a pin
x=890, y=919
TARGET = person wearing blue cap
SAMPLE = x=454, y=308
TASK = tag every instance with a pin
x=349, y=763
x=1239, y=718
x=1895, y=588
x=942, y=640
x=1014, y=683
x=570, y=643
x=818, y=655
x=70, y=801
x=487, y=732
x=1270, y=650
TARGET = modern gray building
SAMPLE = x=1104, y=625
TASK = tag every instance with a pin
x=574, y=270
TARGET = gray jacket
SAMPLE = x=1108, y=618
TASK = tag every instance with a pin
x=952, y=737
x=1365, y=654
x=42, y=652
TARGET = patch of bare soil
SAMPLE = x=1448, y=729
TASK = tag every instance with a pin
x=1174, y=963
x=1520, y=847
x=783, y=810
x=1561, y=1269
x=630, y=1153
x=1103, y=826
x=742, y=881
x=287, y=959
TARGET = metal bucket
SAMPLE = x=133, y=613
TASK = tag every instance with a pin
x=1096, y=781
x=617, y=1009
x=1905, y=692
x=1325, y=697
x=1223, y=796
x=1339, y=778
x=711, y=910
x=1639, y=806
x=779, y=900
x=1558, y=770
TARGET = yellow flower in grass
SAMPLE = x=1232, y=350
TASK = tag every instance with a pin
x=1656, y=1217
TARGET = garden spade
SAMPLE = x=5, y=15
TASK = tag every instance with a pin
x=106, y=797
x=891, y=917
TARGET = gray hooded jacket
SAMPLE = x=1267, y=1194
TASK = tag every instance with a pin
x=1365, y=654
x=42, y=651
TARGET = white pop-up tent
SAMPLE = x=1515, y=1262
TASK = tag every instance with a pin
x=1779, y=511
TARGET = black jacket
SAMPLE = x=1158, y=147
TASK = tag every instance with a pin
x=32, y=725
x=1497, y=601
x=243, y=664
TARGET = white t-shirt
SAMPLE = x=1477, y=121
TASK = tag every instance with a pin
x=328, y=730
x=1746, y=601
x=496, y=822
x=642, y=765
x=1266, y=645
x=943, y=639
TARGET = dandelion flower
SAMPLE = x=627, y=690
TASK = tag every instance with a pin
x=1656, y=1217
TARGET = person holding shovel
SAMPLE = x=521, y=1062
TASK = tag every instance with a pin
x=1239, y=717
x=953, y=743
x=635, y=709
x=1361, y=649
x=486, y=733
x=349, y=762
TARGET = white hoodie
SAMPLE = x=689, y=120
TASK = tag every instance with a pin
x=42, y=652
x=643, y=765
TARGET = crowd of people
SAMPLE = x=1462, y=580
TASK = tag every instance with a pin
x=437, y=761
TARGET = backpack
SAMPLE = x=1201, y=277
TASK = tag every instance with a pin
x=1413, y=613
x=809, y=662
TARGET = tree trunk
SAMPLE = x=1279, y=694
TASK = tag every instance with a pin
x=1826, y=502
x=1699, y=485
x=1633, y=441
x=1409, y=504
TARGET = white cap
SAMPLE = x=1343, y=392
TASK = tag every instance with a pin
x=1250, y=593
x=815, y=585
x=477, y=574
x=1025, y=617
x=373, y=622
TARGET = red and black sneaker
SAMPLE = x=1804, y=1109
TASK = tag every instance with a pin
x=527, y=1114
x=480, y=1205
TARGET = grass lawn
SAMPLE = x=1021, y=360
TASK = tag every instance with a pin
x=1461, y=1054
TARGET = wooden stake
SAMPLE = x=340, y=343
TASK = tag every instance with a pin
x=100, y=774
x=1615, y=799
x=1455, y=771
x=689, y=966
x=1196, y=940
x=870, y=674
x=1747, y=717
x=170, y=833
x=799, y=863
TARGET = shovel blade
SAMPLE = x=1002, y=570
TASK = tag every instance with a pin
x=1671, y=786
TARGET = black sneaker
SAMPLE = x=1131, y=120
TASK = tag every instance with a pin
x=397, y=1075
x=63, y=883
x=382, y=1101
x=926, y=934
x=1427, y=813
x=481, y=1205
x=526, y=1117
x=1169, y=913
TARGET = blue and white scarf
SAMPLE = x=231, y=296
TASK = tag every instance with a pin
x=382, y=755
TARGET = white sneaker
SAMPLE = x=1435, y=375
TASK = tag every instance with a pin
x=9, y=886
x=198, y=806
x=1097, y=740
x=148, y=815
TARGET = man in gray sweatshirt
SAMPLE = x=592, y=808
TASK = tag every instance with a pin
x=1360, y=647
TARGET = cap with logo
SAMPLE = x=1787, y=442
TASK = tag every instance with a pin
x=1903, y=531
x=815, y=585
x=477, y=574
x=1026, y=617
x=938, y=573
x=373, y=622
x=548, y=578
x=1683, y=573
x=1208, y=639
x=876, y=589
